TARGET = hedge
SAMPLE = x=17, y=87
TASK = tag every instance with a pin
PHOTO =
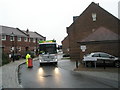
x=5, y=59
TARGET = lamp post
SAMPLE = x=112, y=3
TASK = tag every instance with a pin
x=12, y=38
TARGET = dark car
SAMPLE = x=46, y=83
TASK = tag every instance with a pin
x=16, y=56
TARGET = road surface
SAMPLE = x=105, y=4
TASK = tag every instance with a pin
x=50, y=76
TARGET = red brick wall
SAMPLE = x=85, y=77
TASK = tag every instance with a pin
x=65, y=45
x=7, y=44
x=111, y=48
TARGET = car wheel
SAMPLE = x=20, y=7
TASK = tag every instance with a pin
x=117, y=64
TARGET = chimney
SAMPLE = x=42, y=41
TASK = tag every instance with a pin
x=74, y=18
x=97, y=4
x=27, y=31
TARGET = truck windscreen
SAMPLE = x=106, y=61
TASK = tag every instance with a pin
x=48, y=48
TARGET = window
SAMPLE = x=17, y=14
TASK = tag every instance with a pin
x=34, y=40
x=25, y=39
x=48, y=48
x=29, y=40
x=3, y=37
x=39, y=40
x=94, y=16
x=95, y=55
x=104, y=55
x=19, y=38
x=11, y=38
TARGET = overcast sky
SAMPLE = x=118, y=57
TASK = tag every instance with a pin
x=47, y=17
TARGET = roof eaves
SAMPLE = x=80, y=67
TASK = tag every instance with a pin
x=39, y=34
x=81, y=14
x=22, y=31
x=109, y=13
x=98, y=42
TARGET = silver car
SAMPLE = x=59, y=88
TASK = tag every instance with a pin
x=100, y=58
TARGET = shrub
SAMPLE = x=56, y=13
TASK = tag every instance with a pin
x=5, y=59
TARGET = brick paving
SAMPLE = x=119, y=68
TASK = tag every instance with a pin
x=9, y=74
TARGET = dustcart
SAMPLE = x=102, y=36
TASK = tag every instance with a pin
x=48, y=52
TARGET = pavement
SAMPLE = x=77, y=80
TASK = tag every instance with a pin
x=110, y=73
x=9, y=73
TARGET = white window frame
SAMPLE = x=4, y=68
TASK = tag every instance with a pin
x=3, y=39
x=29, y=39
x=19, y=38
x=38, y=40
x=25, y=39
x=94, y=16
x=12, y=38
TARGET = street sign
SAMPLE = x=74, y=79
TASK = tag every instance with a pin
x=83, y=48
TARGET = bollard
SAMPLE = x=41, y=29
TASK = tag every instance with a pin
x=30, y=63
x=76, y=63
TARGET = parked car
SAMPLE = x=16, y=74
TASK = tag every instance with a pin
x=16, y=56
x=101, y=58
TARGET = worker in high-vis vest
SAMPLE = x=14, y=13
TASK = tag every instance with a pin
x=27, y=57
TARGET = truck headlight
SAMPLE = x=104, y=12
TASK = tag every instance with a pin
x=40, y=60
x=55, y=59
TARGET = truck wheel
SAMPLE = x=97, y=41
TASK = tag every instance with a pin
x=55, y=63
x=40, y=64
x=117, y=64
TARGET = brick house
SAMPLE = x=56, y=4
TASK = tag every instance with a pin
x=34, y=38
x=20, y=42
x=94, y=18
x=65, y=44
x=119, y=9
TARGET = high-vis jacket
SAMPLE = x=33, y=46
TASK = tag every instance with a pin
x=27, y=56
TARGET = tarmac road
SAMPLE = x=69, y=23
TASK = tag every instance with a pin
x=50, y=76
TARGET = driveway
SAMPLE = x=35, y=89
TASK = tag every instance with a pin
x=110, y=73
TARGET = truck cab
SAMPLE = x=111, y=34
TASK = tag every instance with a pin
x=48, y=52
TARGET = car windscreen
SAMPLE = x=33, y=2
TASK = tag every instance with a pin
x=48, y=48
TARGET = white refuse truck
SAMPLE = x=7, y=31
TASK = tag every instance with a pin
x=48, y=52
